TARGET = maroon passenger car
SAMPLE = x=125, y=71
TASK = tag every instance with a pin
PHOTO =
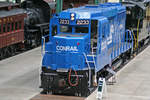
x=11, y=28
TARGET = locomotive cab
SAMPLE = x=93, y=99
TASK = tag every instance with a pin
x=75, y=39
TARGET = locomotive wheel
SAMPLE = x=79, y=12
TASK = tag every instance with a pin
x=44, y=92
x=1, y=54
x=54, y=92
x=8, y=51
x=84, y=87
x=38, y=40
x=85, y=92
x=12, y=50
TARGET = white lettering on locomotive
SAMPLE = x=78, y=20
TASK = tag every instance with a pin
x=67, y=48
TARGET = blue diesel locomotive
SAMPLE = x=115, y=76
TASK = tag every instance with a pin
x=83, y=42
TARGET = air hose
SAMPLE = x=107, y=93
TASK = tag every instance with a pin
x=138, y=31
x=134, y=39
x=69, y=78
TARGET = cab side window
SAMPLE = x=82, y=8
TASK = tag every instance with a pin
x=94, y=27
x=4, y=28
x=54, y=30
x=12, y=26
x=8, y=27
x=20, y=24
x=16, y=25
x=103, y=31
x=94, y=33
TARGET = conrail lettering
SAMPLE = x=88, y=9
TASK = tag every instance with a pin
x=67, y=48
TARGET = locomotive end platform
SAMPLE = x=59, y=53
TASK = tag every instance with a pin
x=55, y=97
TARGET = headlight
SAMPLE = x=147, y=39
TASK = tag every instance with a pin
x=72, y=16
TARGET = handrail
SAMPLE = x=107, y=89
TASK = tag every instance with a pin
x=94, y=57
x=134, y=39
x=88, y=68
x=130, y=35
x=43, y=44
x=138, y=26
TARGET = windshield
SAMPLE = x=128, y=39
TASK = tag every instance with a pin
x=77, y=29
x=65, y=29
x=81, y=30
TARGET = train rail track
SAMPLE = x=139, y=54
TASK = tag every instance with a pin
x=17, y=53
x=56, y=97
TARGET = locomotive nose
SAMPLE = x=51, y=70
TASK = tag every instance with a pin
x=66, y=52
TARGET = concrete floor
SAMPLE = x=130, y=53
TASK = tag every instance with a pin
x=133, y=81
x=19, y=78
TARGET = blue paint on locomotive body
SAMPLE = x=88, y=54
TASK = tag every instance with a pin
x=65, y=48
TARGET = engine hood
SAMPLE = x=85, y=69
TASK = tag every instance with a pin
x=69, y=43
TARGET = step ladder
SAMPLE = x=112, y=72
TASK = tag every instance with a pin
x=110, y=70
x=91, y=61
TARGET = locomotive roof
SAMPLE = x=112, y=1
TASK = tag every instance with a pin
x=6, y=4
x=92, y=11
x=51, y=3
x=133, y=3
x=5, y=13
x=139, y=0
